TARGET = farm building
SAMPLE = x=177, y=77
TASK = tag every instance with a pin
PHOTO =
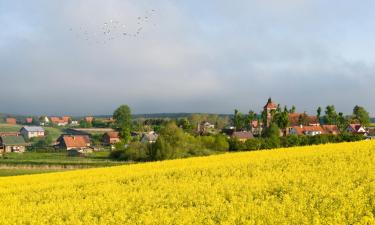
x=11, y=121
x=12, y=144
x=9, y=134
x=242, y=135
x=77, y=142
x=32, y=131
x=110, y=138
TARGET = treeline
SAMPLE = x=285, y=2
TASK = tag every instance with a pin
x=173, y=142
x=290, y=141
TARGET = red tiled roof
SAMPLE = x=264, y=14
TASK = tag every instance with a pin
x=294, y=119
x=11, y=121
x=270, y=105
x=113, y=134
x=76, y=141
x=29, y=120
x=331, y=129
x=56, y=120
x=66, y=119
x=301, y=130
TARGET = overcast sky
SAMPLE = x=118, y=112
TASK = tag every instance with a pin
x=191, y=56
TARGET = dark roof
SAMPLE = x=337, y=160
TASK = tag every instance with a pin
x=243, y=135
x=13, y=140
x=33, y=128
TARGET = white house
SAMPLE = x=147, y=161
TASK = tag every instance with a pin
x=306, y=130
x=32, y=131
x=150, y=137
x=356, y=129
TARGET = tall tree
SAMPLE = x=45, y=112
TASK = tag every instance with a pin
x=330, y=116
x=122, y=117
x=342, y=122
x=250, y=117
x=319, y=113
x=238, y=120
x=293, y=109
x=361, y=115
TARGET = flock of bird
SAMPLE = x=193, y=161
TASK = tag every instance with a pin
x=115, y=30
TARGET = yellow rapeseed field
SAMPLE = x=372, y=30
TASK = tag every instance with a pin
x=327, y=184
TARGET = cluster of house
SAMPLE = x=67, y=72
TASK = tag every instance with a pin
x=58, y=121
x=15, y=141
x=75, y=141
x=312, y=126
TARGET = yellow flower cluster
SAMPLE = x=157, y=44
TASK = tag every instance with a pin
x=327, y=184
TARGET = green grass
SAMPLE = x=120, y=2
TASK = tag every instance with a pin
x=59, y=159
x=53, y=132
x=9, y=128
x=21, y=171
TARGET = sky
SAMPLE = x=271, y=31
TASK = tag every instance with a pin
x=210, y=56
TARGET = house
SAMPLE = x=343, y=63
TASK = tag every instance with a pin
x=11, y=121
x=242, y=135
x=150, y=137
x=205, y=127
x=60, y=121
x=256, y=127
x=32, y=131
x=306, y=130
x=29, y=120
x=110, y=138
x=74, y=123
x=297, y=119
x=12, y=144
x=356, y=129
x=74, y=142
x=44, y=120
x=331, y=129
x=269, y=108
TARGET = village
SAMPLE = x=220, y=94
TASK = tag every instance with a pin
x=80, y=137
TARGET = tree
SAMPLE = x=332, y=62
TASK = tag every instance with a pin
x=293, y=109
x=85, y=124
x=303, y=119
x=238, y=120
x=319, y=113
x=330, y=116
x=281, y=119
x=341, y=122
x=272, y=131
x=122, y=117
x=250, y=117
x=361, y=115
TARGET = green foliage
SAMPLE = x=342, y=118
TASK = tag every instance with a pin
x=122, y=117
x=330, y=116
x=84, y=124
x=135, y=151
x=238, y=120
x=281, y=119
x=361, y=115
x=272, y=131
